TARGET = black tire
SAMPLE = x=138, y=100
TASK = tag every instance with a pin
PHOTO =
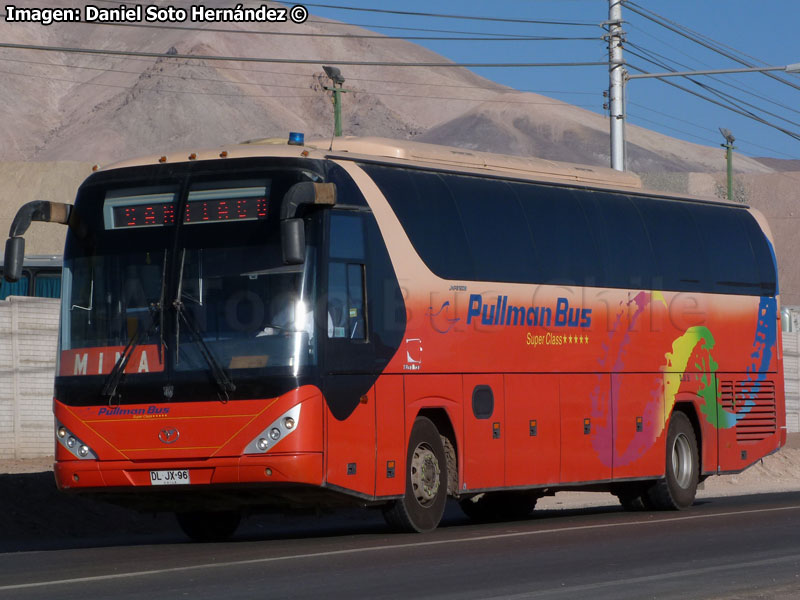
x=208, y=526
x=677, y=490
x=500, y=506
x=422, y=506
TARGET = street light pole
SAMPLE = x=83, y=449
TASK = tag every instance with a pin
x=335, y=75
x=728, y=145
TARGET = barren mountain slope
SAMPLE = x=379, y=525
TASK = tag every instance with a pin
x=116, y=107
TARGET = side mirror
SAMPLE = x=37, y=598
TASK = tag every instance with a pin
x=15, y=254
x=293, y=241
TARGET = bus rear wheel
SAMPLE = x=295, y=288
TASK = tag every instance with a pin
x=209, y=526
x=422, y=506
x=677, y=490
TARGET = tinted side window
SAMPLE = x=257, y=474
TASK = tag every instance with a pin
x=347, y=236
x=427, y=211
x=678, y=246
x=731, y=262
x=496, y=228
x=627, y=252
x=565, y=243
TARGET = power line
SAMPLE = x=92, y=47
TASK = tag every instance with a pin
x=659, y=20
x=494, y=88
x=448, y=16
x=723, y=96
x=291, y=60
x=726, y=106
x=739, y=140
x=314, y=95
x=703, y=36
x=474, y=38
x=371, y=26
x=675, y=129
x=740, y=88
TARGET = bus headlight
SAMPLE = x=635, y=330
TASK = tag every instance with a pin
x=73, y=443
x=277, y=430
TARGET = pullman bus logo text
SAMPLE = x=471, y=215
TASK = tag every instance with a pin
x=500, y=313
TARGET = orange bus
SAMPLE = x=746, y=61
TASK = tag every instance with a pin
x=391, y=323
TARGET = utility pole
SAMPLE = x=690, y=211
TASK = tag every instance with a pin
x=616, y=91
x=335, y=75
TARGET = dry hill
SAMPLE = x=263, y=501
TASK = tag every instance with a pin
x=101, y=109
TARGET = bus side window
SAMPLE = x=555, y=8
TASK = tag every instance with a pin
x=346, y=278
x=18, y=288
x=47, y=285
x=346, y=318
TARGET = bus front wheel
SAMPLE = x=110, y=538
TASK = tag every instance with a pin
x=677, y=490
x=421, y=507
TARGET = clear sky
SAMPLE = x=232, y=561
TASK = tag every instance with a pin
x=764, y=33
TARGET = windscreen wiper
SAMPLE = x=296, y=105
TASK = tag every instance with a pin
x=114, y=378
x=221, y=378
x=156, y=309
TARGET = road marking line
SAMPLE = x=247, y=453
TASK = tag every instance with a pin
x=479, y=538
x=671, y=575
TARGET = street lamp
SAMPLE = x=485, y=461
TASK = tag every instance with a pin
x=335, y=75
x=728, y=145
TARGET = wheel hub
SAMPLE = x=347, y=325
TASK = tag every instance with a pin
x=425, y=474
x=682, y=461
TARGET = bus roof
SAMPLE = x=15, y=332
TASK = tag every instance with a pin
x=403, y=152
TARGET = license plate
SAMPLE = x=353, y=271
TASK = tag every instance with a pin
x=170, y=477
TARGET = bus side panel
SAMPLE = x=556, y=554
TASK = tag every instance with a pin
x=586, y=427
x=533, y=430
x=753, y=431
x=639, y=449
x=351, y=448
x=484, y=431
x=391, y=436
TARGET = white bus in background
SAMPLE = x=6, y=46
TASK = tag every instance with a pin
x=41, y=278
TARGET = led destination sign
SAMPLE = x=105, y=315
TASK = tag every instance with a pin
x=125, y=210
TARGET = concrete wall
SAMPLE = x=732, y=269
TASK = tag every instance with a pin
x=28, y=339
x=791, y=366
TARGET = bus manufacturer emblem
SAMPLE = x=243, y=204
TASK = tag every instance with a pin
x=168, y=435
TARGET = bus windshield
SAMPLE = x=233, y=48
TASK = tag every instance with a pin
x=249, y=309
x=210, y=295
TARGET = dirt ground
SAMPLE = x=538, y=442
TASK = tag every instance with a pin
x=35, y=515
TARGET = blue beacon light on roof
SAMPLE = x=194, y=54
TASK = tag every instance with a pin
x=296, y=139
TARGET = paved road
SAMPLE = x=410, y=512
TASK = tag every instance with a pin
x=738, y=547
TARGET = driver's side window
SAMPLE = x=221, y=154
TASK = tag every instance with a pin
x=346, y=278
